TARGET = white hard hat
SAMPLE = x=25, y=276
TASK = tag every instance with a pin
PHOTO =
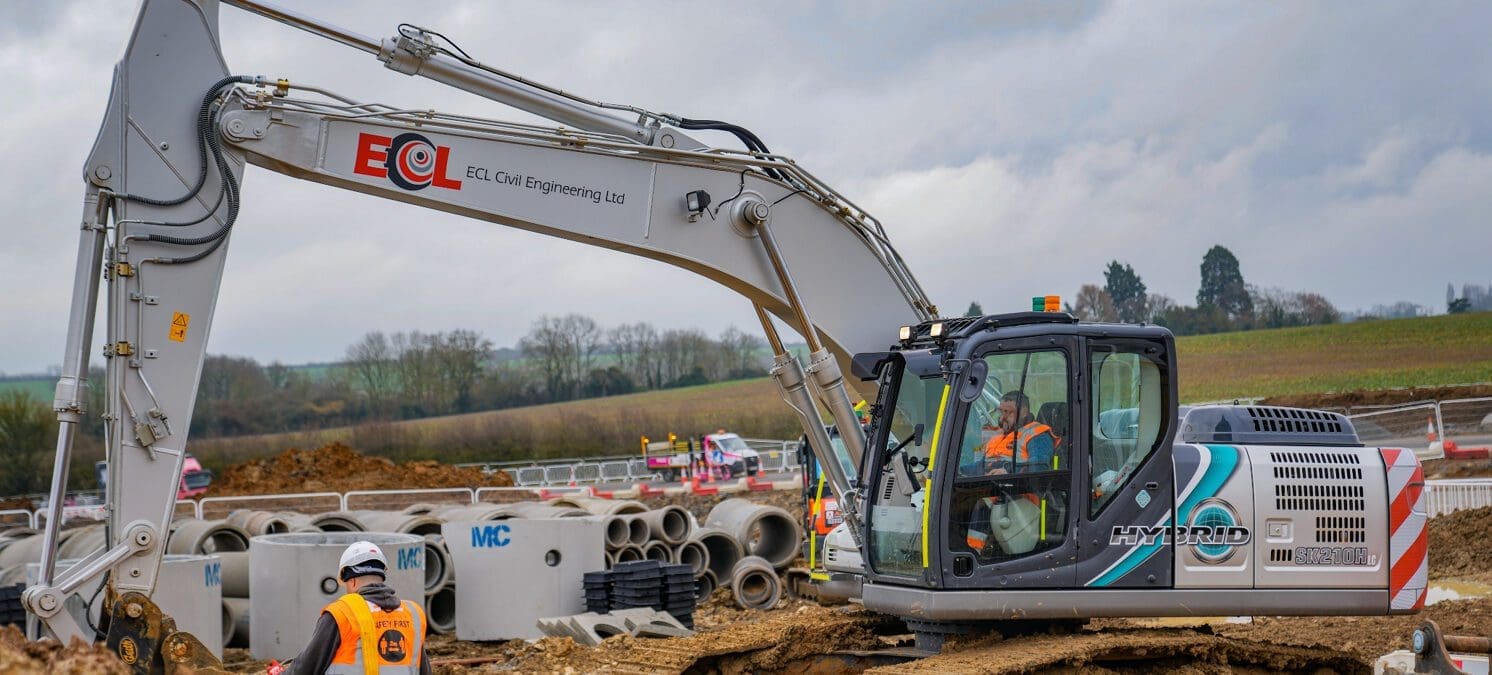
x=362, y=558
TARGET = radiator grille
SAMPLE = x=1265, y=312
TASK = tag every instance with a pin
x=1280, y=555
x=1313, y=497
x=1341, y=529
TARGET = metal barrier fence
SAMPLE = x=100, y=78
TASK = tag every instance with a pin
x=213, y=508
x=1414, y=426
x=398, y=500
x=1449, y=496
x=18, y=518
x=1469, y=417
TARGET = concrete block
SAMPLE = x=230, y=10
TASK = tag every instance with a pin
x=513, y=572
x=590, y=628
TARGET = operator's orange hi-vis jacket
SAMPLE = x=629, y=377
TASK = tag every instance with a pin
x=376, y=642
x=1003, y=447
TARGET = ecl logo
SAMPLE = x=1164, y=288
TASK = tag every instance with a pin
x=408, y=160
x=490, y=536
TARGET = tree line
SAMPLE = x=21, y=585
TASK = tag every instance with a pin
x=1224, y=301
x=410, y=375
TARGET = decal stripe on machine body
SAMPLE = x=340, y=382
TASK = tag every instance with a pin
x=1216, y=464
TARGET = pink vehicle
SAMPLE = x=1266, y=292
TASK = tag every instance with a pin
x=726, y=455
x=193, y=483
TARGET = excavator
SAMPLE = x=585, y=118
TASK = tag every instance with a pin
x=1132, y=506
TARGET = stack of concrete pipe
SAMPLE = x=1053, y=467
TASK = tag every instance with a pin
x=769, y=538
x=740, y=539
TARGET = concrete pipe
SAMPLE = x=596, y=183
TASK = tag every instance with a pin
x=10, y=576
x=391, y=521
x=610, y=560
x=704, y=586
x=541, y=510
x=478, y=513
x=338, y=521
x=765, y=531
x=637, y=530
x=440, y=610
x=755, y=584
x=14, y=535
x=602, y=507
x=293, y=576
x=723, y=549
x=258, y=522
x=235, y=573
x=86, y=541
x=618, y=532
x=657, y=550
x=206, y=537
x=694, y=554
x=628, y=553
x=298, y=522
x=235, y=622
x=670, y=524
x=420, y=509
x=439, y=571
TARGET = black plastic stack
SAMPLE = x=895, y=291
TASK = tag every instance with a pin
x=11, y=611
x=678, y=593
x=597, y=592
x=643, y=583
x=637, y=584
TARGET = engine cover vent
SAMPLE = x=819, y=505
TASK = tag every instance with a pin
x=1267, y=425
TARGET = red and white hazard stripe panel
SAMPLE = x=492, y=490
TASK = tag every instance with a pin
x=1409, y=564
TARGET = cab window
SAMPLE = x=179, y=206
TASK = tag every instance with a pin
x=1011, y=488
x=1128, y=397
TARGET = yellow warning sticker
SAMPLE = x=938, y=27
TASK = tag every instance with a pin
x=179, y=323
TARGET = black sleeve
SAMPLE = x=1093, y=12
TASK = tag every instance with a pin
x=318, y=653
x=424, y=661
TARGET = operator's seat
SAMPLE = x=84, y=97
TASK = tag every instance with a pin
x=1055, y=415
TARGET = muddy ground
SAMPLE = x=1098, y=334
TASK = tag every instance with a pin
x=338, y=468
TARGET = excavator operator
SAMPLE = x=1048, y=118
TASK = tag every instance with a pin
x=1022, y=443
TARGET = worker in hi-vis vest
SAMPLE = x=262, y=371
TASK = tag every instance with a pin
x=369, y=630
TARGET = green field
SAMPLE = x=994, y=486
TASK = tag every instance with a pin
x=1382, y=354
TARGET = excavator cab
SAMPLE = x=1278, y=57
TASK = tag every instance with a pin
x=953, y=503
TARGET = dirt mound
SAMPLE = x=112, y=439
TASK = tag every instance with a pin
x=1458, y=545
x=338, y=468
x=1345, y=399
x=1367, y=637
x=49, y=656
x=1457, y=468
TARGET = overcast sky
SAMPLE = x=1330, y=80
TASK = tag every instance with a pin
x=1011, y=149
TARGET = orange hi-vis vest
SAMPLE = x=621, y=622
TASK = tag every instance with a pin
x=376, y=642
x=1002, y=447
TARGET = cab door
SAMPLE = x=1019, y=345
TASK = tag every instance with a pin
x=1125, y=505
x=1008, y=485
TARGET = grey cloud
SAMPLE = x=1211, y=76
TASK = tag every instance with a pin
x=1010, y=148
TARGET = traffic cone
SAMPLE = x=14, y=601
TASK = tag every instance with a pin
x=1430, y=428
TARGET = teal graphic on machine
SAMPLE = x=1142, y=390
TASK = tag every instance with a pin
x=1213, y=531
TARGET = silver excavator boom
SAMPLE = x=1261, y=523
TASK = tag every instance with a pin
x=163, y=187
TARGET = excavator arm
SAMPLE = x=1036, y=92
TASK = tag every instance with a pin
x=163, y=188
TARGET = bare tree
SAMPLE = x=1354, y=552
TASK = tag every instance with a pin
x=371, y=363
x=460, y=358
x=1094, y=304
x=742, y=352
